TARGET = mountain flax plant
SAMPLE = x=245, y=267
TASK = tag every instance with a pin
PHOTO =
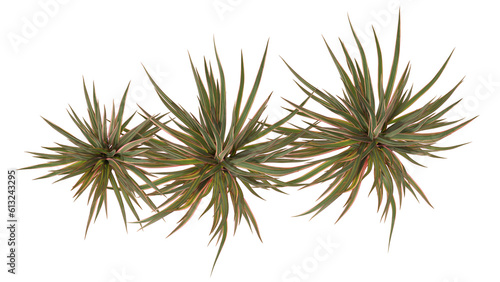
x=105, y=159
x=369, y=134
x=219, y=154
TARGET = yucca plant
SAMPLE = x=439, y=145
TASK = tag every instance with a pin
x=371, y=134
x=105, y=160
x=217, y=156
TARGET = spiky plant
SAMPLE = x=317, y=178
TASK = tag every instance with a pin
x=371, y=134
x=217, y=156
x=104, y=159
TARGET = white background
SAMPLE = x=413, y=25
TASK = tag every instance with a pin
x=46, y=47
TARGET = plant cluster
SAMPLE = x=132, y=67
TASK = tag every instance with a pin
x=223, y=155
